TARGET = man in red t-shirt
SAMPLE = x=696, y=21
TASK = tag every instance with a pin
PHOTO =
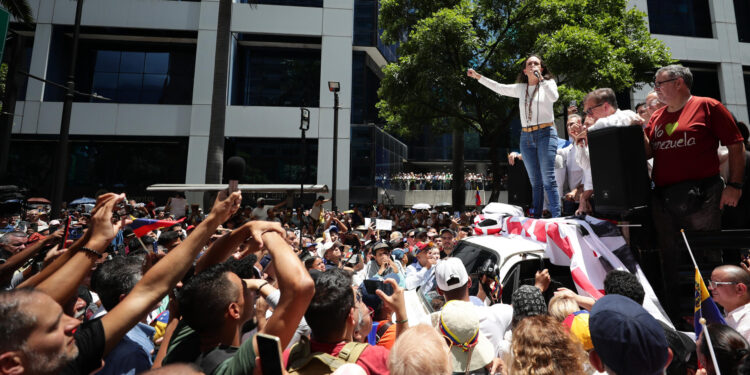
x=683, y=138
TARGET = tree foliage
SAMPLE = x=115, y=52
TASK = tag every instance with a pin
x=586, y=44
x=19, y=9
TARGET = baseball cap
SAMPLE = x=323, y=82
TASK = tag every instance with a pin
x=333, y=228
x=447, y=230
x=626, y=337
x=577, y=324
x=450, y=273
x=380, y=245
x=322, y=250
x=459, y=324
x=397, y=254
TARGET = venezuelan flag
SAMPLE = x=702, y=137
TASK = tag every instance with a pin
x=704, y=305
x=142, y=226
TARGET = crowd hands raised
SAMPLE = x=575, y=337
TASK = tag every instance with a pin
x=338, y=304
x=334, y=292
x=431, y=181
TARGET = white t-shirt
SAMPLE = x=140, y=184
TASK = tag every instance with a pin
x=177, y=207
x=260, y=213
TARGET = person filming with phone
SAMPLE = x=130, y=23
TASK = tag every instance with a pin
x=382, y=266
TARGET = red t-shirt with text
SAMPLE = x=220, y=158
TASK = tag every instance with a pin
x=685, y=142
x=374, y=359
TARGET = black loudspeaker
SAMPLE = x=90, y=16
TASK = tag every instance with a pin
x=618, y=168
x=519, y=186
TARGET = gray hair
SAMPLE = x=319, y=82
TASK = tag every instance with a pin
x=678, y=71
x=5, y=239
x=16, y=323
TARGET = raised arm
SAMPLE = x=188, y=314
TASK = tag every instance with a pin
x=165, y=274
x=60, y=280
x=225, y=246
x=506, y=90
x=17, y=260
x=295, y=284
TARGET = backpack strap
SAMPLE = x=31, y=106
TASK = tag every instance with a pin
x=382, y=328
x=210, y=361
x=352, y=350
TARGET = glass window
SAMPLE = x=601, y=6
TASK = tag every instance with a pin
x=270, y=76
x=299, y=3
x=107, y=61
x=125, y=72
x=275, y=160
x=746, y=76
x=680, y=17
x=705, y=80
x=122, y=164
x=742, y=16
x=157, y=62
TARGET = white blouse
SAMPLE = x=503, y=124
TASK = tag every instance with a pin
x=542, y=100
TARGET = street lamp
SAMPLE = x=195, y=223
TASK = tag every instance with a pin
x=304, y=125
x=335, y=87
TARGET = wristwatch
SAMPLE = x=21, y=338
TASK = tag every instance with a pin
x=736, y=185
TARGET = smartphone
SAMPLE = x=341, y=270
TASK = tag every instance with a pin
x=572, y=103
x=372, y=285
x=269, y=351
x=457, y=214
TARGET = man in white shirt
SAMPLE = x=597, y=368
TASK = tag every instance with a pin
x=421, y=273
x=600, y=107
x=260, y=212
x=570, y=179
x=453, y=283
x=729, y=288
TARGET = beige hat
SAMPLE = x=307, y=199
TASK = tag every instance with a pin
x=459, y=324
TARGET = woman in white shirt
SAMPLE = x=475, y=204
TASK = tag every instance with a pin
x=536, y=93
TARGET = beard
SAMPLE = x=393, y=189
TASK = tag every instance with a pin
x=43, y=363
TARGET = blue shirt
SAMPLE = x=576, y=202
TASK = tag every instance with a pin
x=132, y=354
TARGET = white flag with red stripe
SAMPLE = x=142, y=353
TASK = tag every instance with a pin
x=589, y=256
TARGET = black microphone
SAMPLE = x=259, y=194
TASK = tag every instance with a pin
x=536, y=73
x=235, y=168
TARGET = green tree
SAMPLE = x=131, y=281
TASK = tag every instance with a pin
x=20, y=9
x=585, y=43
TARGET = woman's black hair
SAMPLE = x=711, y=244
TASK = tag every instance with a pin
x=522, y=78
x=730, y=347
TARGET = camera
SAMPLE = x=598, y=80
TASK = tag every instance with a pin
x=123, y=209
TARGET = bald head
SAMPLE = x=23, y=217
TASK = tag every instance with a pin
x=735, y=274
x=420, y=350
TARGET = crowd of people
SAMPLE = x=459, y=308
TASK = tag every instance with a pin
x=431, y=181
x=129, y=288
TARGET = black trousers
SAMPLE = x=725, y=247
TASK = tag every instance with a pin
x=689, y=205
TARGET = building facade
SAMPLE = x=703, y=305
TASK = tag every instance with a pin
x=712, y=37
x=151, y=63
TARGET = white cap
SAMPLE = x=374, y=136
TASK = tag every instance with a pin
x=450, y=273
